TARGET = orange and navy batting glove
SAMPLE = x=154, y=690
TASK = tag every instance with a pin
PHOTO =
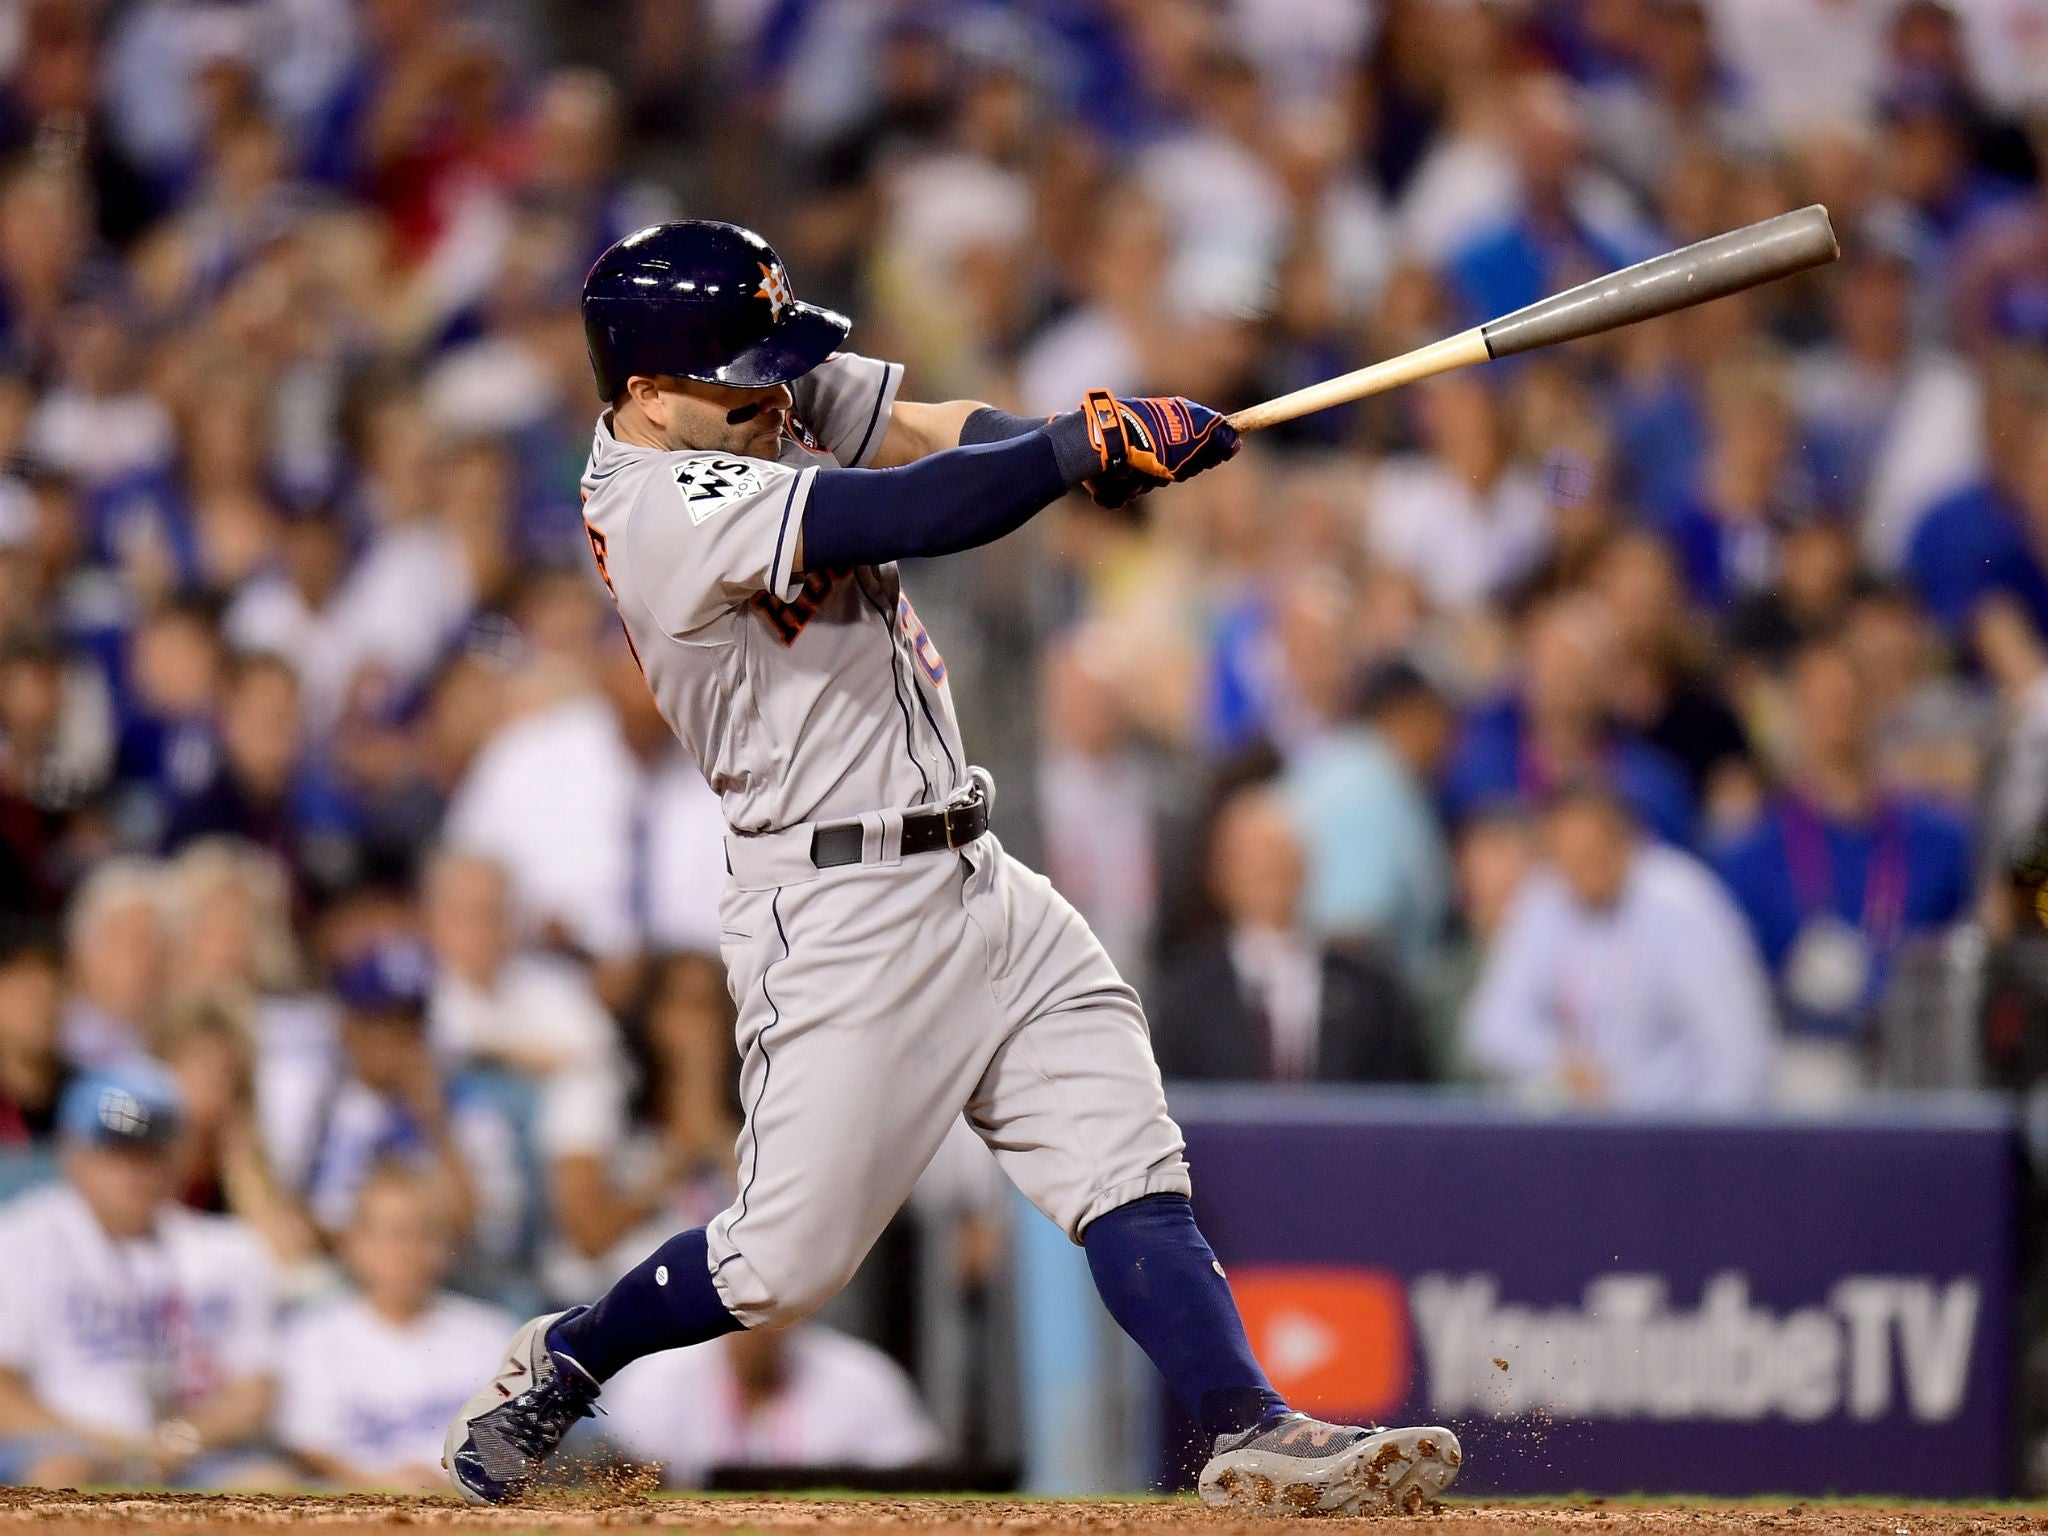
x=1152, y=441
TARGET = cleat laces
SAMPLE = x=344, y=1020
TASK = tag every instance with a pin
x=537, y=1419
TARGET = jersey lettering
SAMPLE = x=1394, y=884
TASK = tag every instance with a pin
x=709, y=485
x=794, y=425
x=929, y=661
x=597, y=550
x=598, y=546
x=788, y=619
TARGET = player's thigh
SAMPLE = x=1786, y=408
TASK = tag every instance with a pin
x=863, y=1029
x=1071, y=1103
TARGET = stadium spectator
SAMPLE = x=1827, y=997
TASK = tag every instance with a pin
x=56, y=730
x=1985, y=538
x=1891, y=422
x=663, y=1161
x=1363, y=799
x=2016, y=790
x=387, y=1098
x=263, y=789
x=802, y=1397
x=219, y=1165
x=167, y=746
x=1260, y=997
x=1099, y=801
x=1661, y=688
x=1728, y=525
x=1557, y=727
x=116, y=953
x=32, y=1071
x=496, y=1005
x=570, y=858
x=140, y=1344
x=414, y=1350
x=1837, y=872
x=1567, y=222
x=1621, y=974
x=1929, y=729
x=1463, y=520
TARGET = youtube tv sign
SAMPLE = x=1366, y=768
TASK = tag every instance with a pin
x=1618, y=1305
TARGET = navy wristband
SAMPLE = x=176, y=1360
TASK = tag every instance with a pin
x=1079, y=459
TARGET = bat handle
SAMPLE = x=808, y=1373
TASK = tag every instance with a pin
x=1459, y=351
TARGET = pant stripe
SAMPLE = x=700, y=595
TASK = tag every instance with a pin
x=767, y=1066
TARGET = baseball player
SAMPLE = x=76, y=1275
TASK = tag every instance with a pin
x=749, y=492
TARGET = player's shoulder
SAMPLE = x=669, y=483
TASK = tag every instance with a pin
x=700, y=483
x=710, y=482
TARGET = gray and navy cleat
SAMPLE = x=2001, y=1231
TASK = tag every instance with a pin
x=502, y=1437
x=1291, y=1464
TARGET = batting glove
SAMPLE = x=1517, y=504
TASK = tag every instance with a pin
x=1152, y=441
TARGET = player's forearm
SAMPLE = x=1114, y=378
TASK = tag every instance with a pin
x=951, y=501
x=918, y=430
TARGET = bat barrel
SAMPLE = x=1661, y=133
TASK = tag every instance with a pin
x=1742, y=258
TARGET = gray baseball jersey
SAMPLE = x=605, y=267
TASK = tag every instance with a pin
x=812, y=697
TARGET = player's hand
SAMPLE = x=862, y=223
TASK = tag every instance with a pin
x=1152, y=441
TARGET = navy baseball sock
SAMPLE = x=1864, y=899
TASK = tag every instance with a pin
x=1160, y=1280
x=668, y=1301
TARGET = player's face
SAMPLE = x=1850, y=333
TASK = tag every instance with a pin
x=686, y=413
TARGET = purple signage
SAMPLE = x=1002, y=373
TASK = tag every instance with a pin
x=1732, y=1306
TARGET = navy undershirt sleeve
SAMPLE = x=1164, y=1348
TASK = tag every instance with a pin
x=989, y=425
x=947, y=502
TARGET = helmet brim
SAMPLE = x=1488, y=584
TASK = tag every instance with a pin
x=804, y=338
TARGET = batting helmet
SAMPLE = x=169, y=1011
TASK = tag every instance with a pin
x=701, y=300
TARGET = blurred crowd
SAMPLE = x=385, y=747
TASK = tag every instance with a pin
x=1657, y=723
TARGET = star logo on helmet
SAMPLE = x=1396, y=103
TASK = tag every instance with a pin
x=774, y=288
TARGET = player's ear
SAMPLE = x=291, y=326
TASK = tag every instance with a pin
x=645, y=391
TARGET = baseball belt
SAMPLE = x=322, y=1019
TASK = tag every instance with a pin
x=931, y=829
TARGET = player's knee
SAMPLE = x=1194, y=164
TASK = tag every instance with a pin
x=790, y=1291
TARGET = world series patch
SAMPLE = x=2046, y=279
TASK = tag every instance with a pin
x=708, y=484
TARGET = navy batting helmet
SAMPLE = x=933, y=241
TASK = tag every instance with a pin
x=701, y=300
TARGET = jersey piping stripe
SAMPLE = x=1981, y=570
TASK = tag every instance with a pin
x=781, y=533
x=874, y=416
x=896, y=682
x=937, y=735
x=767, y=1067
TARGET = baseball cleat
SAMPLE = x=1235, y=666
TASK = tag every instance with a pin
x=502, y=1437
x=1291, y=1464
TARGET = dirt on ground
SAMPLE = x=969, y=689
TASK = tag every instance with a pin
x=66, y=1513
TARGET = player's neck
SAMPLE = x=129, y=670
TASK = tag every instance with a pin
x=632, y=428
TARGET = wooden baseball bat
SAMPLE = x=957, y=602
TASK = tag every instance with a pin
x=1709, y=269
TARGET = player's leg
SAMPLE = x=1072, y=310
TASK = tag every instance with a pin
x=861, y=1034
x=1073, y=1108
